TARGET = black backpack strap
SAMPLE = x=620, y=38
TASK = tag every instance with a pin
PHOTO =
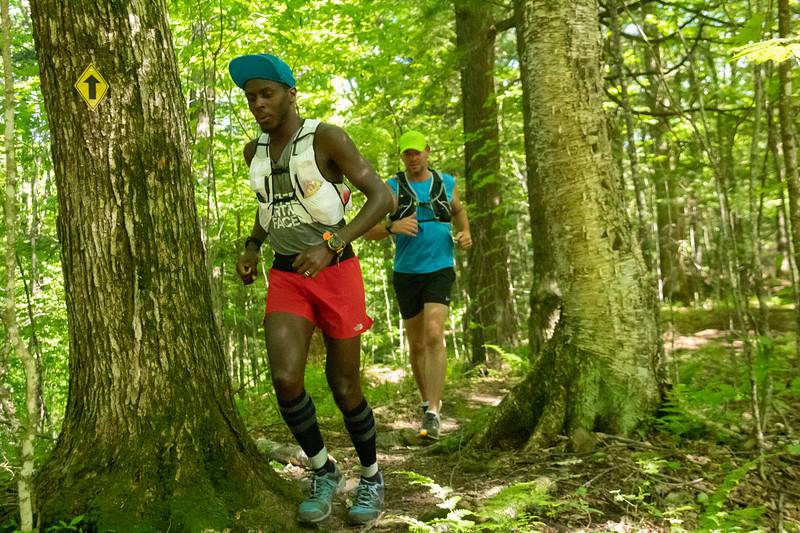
x=406, y=199
x=440, y=204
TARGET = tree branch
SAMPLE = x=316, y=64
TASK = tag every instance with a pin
x=676, y=113
x=503, y=25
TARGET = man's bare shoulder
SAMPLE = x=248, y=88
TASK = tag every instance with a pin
x=250, y=150
x=330, y=135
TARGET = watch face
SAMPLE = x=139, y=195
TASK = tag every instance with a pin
x=335, y=242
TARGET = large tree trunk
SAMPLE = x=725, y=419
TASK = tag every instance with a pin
x=151, y=437
x=599, y=370
x=491, y=312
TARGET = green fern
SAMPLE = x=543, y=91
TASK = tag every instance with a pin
x=717, y=517
x=455, y=519
x=518, y=364
x=516, y=499
x=61, y=526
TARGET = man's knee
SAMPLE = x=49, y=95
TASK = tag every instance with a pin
x=346, y=390
x=434, y=335
x=287, y=385
x=417, y=346
x=434, y=342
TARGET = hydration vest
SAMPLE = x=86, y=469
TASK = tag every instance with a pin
x=313, y=198
x=407, y=199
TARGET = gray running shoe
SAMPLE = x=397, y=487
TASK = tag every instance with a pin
x=430, y=426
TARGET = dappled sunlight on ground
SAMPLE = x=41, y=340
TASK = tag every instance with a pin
x=378, y=374
x=623, y=526
x=485, y=399
x=399, y=423
x=692, y=342
x=699, y=339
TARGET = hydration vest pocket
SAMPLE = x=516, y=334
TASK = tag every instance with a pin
x=258, y=180
x=441, y=209
x=323, y=200
x=308, y=178
x=404, y=211
x=325, y=205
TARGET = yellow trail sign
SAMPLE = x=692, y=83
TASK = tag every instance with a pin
x=91, y=86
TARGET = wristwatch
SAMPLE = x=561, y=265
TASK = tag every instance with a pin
x=335, y=243
x=389, y=228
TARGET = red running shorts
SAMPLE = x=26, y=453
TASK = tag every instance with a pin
x=333, y=301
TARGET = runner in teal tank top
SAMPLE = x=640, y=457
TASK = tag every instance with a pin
x=428, y=219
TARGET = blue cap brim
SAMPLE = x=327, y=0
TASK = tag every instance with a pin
x=260, y=66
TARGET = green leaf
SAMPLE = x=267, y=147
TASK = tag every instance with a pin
x=751, y=30
x=777, y=50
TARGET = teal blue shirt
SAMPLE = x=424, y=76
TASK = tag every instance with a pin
x=432, y=248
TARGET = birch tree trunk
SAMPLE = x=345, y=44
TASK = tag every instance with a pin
x=491, y=309
x=788, y=142
x=599, y=370
x=31, y=420
x=151, y=438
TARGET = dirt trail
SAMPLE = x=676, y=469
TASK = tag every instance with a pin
x=401, y=450
x=626, y=485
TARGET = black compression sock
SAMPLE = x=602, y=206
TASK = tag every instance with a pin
x=301, y=417
x=360, y=423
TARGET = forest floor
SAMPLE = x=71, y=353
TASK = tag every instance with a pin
x=695, y=468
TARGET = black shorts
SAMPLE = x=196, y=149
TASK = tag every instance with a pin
x=415, y=290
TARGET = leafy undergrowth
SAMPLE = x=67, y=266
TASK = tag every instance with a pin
x=695, y=468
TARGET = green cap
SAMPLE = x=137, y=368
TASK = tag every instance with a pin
x=412, y=140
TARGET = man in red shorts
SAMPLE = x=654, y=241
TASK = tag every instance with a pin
x=297, y=168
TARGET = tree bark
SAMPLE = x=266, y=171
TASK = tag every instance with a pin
x=788, y=141
x=755, y=195
x=30, y=423
x=491, y=312
x=151, y=437
x=599, y=370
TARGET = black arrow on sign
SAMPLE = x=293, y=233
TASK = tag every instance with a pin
x=92, y=82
